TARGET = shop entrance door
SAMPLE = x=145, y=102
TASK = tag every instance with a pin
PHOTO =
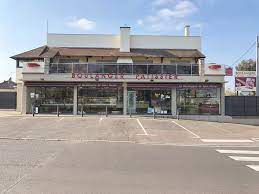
x=131, y=101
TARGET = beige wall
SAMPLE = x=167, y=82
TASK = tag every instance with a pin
x=113, y=41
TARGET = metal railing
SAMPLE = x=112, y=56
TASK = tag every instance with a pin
x=126, y=68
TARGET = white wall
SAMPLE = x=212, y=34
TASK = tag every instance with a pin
x=124, y=39
x=165, y=42
x=83, y=40
x=113, y=41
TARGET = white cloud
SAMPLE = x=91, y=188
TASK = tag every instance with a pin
x=140, y=22
x=81, y=23
x=169, y=14
x=162, y=2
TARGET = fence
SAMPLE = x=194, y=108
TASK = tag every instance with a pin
x=7, y=100
x=242, y=105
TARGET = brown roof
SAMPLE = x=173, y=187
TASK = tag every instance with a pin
x=50, y=52
x=9, y=84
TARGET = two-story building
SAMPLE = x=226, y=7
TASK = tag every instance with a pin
x=137, y=74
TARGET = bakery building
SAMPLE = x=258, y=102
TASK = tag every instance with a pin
x=124, y=73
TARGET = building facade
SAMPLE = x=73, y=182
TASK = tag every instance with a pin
x=123, y=74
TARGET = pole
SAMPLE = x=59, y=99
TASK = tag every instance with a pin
x=257, y=65
x=58, y=110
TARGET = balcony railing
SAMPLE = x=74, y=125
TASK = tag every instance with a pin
x=125, y=68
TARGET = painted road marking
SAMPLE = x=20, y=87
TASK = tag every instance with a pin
x=238, y=152
x=24, y=118
x=195, y=135
x=100, y=120
x=254, y=167
x=227, y=141
x=255, y=139
x=245, y=159
x=61, y=119
x=143, y=129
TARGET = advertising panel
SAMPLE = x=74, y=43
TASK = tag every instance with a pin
x=214, y=69
x=33, y=67
x=245, y=84
x=245, y=81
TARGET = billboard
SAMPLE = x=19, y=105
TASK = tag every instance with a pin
x=214, y=69
x=245, y=81
x=33, y=67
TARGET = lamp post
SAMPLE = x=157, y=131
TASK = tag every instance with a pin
x=257, y=66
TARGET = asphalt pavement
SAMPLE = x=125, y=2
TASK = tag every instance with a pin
x=98, y=154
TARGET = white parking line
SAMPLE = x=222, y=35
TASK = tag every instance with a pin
x=61, y=119
x=100, y=120
x=227, y=141
x=254, y=167
x=238, y=152
x=195, y=135
x=144, y=130
x=255, y=139
x=24, y=118
x=245, y=159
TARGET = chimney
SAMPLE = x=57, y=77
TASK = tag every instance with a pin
x=124, y=39
x=187, y=30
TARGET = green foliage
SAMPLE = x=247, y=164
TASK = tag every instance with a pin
x=246, y=65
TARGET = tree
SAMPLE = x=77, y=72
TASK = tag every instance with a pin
x=246, y=65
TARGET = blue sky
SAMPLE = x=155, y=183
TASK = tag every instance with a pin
x=228, y=27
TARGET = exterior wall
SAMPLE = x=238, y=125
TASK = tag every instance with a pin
x=222, y=100
x=125, y=39
x=24, y=99
x=113, y=41
x=19, y=98
x=165, y=42
x=127, y=78
x=173, y=102
x=83, y=40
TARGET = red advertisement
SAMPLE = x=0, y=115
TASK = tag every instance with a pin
x=245, y=84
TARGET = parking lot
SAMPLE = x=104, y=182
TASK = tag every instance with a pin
x=125, y=129
x=106, y=154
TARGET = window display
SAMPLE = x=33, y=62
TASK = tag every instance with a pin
x=198, y=101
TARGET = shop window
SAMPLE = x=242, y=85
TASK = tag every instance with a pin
x=47, y=99
x=195, y=101
x=97, y=98
x=169, y=69
x=154, y=69
x=140, y=69
x=149, y=101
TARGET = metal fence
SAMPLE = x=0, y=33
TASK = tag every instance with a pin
x=242, y=105
x=7, y=100
x=128, y=69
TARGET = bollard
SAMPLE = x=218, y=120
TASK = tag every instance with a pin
x=106, y=111
x=82, y=111
x=57, y=110
x=177, y=113
x=154, y=114
x=33, y=112
x=130, y=112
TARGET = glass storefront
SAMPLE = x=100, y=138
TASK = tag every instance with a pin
x=50, y=99
x=194, y=101
x=149, y=101
x=94, y=99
